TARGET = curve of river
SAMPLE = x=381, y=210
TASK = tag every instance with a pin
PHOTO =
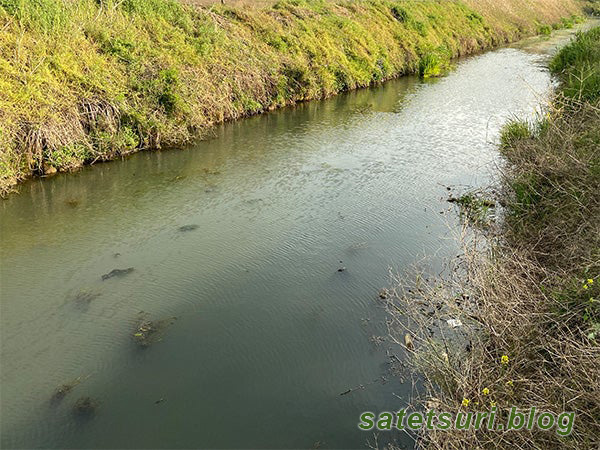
x=268, y=331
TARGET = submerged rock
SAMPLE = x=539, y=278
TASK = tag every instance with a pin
x=148, y=332
x=84, y=298
x=64, y=389
x=117, y=273
x=85, y=406
x=185, y=228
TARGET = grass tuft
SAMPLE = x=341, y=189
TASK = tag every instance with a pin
x=513, y=132
x=578, y=65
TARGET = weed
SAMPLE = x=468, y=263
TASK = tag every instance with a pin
x=514, y=131
x=578, y=65
x=476, y=207
x=434, y=62
x=545, y=29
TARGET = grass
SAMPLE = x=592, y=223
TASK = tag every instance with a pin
x=531, y=290
x=514, y=131
x=579, y=67
x=83, y=81
x=476, y=207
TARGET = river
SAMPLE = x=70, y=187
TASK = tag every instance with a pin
x=269, y=332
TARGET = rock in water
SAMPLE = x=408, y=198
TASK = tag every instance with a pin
x=85, y=406
x=147, y=332
x=48, y=169
x=188, y=228
x=117, y=273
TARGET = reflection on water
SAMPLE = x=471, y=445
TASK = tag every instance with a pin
x=240, y=237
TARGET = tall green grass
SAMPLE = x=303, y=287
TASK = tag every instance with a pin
x=578, y=65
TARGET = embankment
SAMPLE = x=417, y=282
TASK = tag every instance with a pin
x=530, y=302
x=90, y=80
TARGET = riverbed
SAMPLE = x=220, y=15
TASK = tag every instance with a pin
x=268, y=242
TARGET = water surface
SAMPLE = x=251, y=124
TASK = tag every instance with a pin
x=268, y=331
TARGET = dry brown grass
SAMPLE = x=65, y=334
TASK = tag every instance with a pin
x=510, y=10
x=521, y=290
x=519, y=10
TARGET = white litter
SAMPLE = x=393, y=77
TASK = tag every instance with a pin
x=454, y=323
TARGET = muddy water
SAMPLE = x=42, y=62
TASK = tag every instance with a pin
x=268, y=333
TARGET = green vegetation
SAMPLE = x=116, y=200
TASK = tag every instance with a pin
x=476, y=207
x=434, y=62
x=514, y=131
x=545, y=29
x=530, y=303
x=579, y=66
x=90, y=80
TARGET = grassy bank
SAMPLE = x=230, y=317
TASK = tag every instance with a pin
x=529, y=302
x=89, y=80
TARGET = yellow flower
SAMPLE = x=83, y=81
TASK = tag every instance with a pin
x=504, y=360
x=585, y=286
x=590, y=281
x=486, y=391
x=465, y=402
x=492, y=404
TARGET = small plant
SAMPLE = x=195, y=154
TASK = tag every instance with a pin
x=434, y=62
x=475, y=17
x=514, y=131
x=420, y=27
x=67, y=157
x=475, y=206
x=545, y=30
